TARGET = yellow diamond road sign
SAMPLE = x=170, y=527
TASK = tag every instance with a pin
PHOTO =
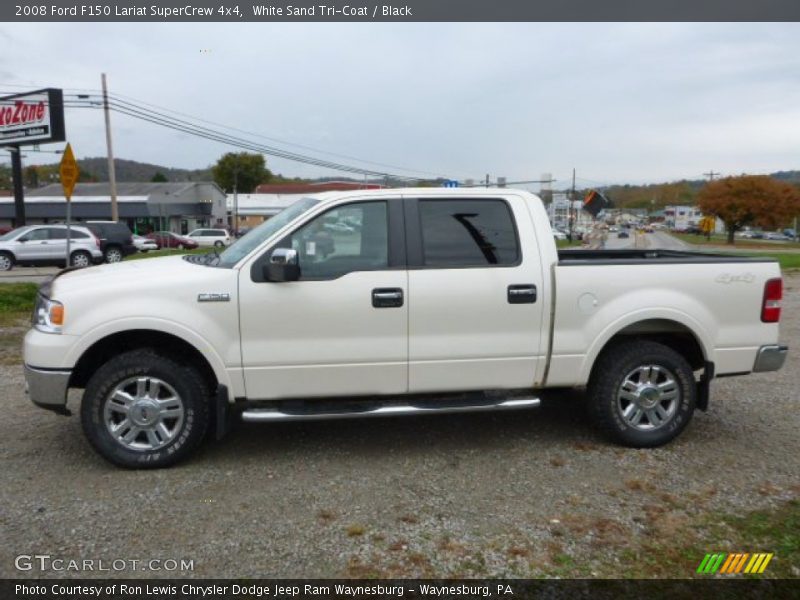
x=69, y=172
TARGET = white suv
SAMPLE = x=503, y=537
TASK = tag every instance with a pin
x=211, y=237
x=47, y=245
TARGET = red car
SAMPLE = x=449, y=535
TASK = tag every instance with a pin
x=167, y=239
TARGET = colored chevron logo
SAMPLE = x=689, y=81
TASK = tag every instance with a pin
x=729, y=564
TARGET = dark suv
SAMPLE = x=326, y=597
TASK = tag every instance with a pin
x=116, y=240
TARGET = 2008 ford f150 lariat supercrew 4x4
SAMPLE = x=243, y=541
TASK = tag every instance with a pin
x=395, y=302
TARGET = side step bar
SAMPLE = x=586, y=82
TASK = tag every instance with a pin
x=261, y=415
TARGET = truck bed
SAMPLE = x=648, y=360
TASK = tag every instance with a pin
x=636, y=256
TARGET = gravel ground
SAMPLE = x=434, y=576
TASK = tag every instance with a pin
x=471, y=495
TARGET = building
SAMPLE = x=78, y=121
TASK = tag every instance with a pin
x=681, y=218
x=314, y=187
x=254, y=209
x=558, y=212
x=145, y=207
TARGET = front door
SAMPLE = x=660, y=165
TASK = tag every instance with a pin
x=474, y=314
x=342, y=328
x=33, y=246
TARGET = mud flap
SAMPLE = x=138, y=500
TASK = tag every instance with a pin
x=704, y=386
x=222, y=413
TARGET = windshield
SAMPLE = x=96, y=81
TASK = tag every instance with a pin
x=13, y=233
x=255, y=237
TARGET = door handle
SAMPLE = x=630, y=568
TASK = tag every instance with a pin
x=522, y=293
x=387, y=297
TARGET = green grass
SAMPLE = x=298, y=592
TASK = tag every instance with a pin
x=16, y=301
x=567, y=243
x=165, y=252
x=720, y=239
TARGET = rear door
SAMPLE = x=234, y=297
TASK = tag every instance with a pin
x=474, y=311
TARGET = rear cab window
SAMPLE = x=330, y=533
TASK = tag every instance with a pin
x=466, y=232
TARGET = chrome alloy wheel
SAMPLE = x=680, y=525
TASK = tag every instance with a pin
x=80, y=260
x=648, y=397
x=143, y=413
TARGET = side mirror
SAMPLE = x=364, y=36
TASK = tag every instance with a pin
x=282, y=266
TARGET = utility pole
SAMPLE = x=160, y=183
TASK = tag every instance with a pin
x=711, y=174
x=236, y=200
x=112, y=176
x=19, y=191
x=570, y=207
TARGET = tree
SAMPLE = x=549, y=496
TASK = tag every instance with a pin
x=749, y=200
x=30, y=175
x=242, y=170
x=159, y=177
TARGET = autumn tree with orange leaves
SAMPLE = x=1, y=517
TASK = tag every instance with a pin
x=749, y=200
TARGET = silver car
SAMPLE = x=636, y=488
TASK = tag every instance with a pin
x=47, y=245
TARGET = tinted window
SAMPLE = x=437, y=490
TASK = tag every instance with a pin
x=57, y=233
x=354, y=237
x=462, y=233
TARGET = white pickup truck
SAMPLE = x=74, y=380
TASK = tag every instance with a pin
x=392, y=302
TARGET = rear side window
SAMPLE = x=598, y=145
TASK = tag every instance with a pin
x=468, y=233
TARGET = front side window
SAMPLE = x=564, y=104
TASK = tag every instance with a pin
x=354, y=237
x=36, y=235
x=468, y=233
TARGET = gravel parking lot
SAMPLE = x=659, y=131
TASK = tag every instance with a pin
x=524, y=494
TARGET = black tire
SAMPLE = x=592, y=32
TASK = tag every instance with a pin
x=180, y=246
x=113, y=254
x=614, y=413
x=6, y=261
x=82, y=257
x=218, y=244
x=186, y=382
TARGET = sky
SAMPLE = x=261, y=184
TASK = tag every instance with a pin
x=619, y=103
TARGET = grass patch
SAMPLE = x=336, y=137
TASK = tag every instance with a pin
x=722, y=240
x=165, y=252
x=568, y=244
x=16, y=302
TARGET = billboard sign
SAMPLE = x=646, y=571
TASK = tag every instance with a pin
x=32, y=118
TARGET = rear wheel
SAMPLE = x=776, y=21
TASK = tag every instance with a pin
x=6, y=261
x=218, y=244
x=80, y=259
x=642, y=393
x=113, y=254
x=143, y=410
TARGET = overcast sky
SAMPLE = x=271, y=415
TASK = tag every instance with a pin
x=627, y=102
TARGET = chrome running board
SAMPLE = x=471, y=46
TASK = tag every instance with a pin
x=264, y=415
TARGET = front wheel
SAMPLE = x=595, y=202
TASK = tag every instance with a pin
x=642, y=393
x=142, y=410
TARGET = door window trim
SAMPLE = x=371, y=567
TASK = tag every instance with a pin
x=397, y=258
x=415, y=245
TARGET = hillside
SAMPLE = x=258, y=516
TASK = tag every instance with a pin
x=131, y=170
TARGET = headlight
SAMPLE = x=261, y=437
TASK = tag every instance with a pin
x=48, y=315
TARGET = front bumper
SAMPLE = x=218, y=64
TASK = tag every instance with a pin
x=47, y=388
x=770, y=358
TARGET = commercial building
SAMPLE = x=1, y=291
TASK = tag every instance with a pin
x=145, y=207
x=254, y=209
x=558, y=212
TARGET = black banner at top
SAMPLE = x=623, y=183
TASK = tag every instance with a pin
x=277, y=11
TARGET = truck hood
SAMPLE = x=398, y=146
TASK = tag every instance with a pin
x=135, y=277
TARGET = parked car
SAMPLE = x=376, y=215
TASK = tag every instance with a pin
x=47, y=245
x=623, y=234
x=116, y=239
x=5, y=230
x=414, y=316
x=776, y=236
x=144, y=244
x=167, y=239
x=559, y=235
x=210, y=237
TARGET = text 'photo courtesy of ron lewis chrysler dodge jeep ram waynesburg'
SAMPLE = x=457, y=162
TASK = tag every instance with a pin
x=395, y=302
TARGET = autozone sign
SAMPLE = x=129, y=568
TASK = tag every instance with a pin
x=32, y=118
